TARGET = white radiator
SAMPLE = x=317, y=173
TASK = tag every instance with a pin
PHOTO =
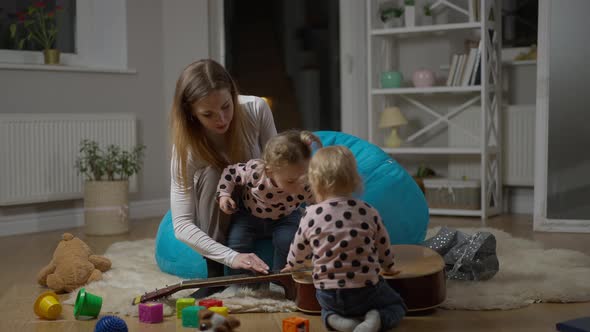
x=518, y=145
x=38, y=152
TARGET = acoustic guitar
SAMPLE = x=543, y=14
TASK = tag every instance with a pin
x=421, y=282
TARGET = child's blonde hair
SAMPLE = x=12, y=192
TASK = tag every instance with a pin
x=333, y=172
x=289, y=147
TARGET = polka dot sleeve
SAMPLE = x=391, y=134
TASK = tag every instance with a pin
x=233, y=175
x=300, y=247
x=382, y=244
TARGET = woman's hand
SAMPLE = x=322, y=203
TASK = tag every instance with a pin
x=227, y=205
x=249, y=262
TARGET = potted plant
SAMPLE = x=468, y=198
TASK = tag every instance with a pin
x=427, y=15
x=391, y=16
x=106, y=187
x=39, y=26
x=422, y=173
x=410, y=13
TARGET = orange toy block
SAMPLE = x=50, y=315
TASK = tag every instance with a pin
x=295, y=324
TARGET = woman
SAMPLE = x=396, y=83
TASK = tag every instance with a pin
x=212, y=127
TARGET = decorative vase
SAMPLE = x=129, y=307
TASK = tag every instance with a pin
x=106, y=209
x=426, y=20
x=442, y=17
x=394, y=22
x=423, y=78
x=51, y=56
x=410, y=16
x=391, y=79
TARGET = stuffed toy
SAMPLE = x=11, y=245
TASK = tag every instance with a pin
x=73, y=265
x=214, y=322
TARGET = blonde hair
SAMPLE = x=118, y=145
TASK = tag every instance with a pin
x=289, y=147
x=197, y=81
x=333, y=172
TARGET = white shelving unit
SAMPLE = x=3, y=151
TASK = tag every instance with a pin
x=487, y=96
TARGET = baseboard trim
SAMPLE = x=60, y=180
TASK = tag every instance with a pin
x=71, y=218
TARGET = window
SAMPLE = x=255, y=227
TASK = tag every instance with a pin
x=519, y=22
x=93, y=35
x=14, y=11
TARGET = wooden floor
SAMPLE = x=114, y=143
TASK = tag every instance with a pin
x=22, y=256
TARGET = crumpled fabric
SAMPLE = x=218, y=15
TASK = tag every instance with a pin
x=467, y=257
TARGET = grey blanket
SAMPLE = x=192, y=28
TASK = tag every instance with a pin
x=467, y=257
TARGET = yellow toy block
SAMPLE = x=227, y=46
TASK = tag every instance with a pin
x=223, y=311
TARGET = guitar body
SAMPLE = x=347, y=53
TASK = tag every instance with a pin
x=422, y=281
x=305, y=299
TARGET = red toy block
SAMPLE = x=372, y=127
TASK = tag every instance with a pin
x=211, y=303
x=295, y=324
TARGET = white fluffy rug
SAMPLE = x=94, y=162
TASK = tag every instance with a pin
x=134, y=271
x=528, y=274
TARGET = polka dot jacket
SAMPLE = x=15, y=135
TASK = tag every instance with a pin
x=261, y=197
x=347, y=242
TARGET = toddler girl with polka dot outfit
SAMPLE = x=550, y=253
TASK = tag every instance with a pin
x=272, y=190
x=349, y=247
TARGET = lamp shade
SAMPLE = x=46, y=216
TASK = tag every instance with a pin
x=392, y=117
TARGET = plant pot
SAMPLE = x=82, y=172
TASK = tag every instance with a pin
x=51, y=56
x=420, y=183
x=426, y=20
x=441, y=17
x=395, y=22
x=410, y=16
x=106, y=210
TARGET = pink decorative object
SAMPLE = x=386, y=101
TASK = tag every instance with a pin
x=211, y=303
x=151, y=312
x=423, y=78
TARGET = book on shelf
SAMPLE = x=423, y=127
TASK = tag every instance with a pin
x=464, y=68
x=476, y=69
x=474, y=10
x=468, y=67
x=454, y=61
x=459, y=70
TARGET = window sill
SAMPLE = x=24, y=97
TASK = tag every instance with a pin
x=66, y=68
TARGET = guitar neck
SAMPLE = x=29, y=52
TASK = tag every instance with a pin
x=230, y=280
x=212, y=282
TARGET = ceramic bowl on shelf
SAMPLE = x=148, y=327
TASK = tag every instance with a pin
x=391, y=79
x=423, y=78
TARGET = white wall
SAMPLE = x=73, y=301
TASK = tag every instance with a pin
x=163, y=37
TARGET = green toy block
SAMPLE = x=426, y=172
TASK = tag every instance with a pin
x=190, y=316
x=183, y=303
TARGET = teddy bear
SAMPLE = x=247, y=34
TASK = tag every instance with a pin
x=73, y=265
x=214, y=322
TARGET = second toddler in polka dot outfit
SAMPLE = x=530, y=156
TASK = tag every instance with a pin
x=349, y=247
x=271, y=191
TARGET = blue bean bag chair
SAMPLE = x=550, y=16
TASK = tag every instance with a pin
x=177, y=258
x=387, y=187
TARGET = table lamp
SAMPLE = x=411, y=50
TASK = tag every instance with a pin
x=392, y=117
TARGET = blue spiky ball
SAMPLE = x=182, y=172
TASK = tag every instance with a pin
x=110, y=324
